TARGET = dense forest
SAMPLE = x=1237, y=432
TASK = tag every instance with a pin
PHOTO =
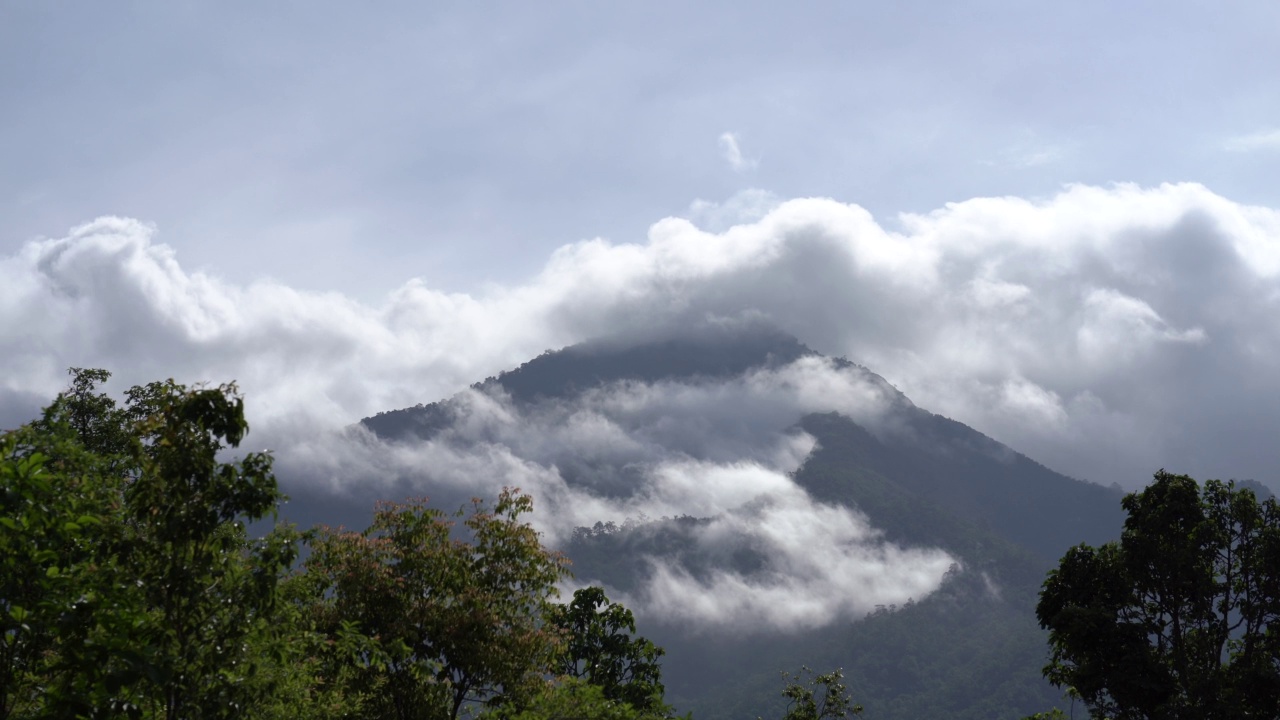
x=131, y=587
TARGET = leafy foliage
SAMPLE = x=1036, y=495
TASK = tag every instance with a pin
x=817, y=697
x=1180, y=617
x=451, y=621
x=129, y=586
x=151, y=588
x=600, y=649
x=577, y=699
x=47, y=534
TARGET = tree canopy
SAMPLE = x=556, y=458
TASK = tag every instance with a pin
x=812, y=696
x=1181, y=617
x=130, y=587
x=600, y=649
x=454, y=620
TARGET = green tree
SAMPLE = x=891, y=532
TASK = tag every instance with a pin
x=577, y=699
x=48, y=530
x=129, y=586
x=153, y=591
x=1054, y=714
x=208, y=587
x=1181, y=617
x=451, y=621
x=69, y=606
x=817, y=697
x=297, y=675
x=601, y=650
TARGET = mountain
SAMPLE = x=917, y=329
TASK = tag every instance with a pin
x=788, y=509
x=565, y=373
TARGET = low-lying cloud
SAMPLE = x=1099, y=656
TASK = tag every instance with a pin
x=624, y=450
x=721, y=449
x=1106, y=332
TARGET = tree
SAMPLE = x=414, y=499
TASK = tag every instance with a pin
x=129, y=586
x=1181, y=617
x=601, y=650
x=185, y=545
x=451, y=621
x=297, y=673
x=580, y=700
x=817, y=697
x=48, y=530
x=152, y=591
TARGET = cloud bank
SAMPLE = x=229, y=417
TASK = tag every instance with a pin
x=1106, y=332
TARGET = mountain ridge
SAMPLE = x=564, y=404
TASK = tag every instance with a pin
x=919, y=479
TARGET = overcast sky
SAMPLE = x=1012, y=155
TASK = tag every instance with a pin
x=1056, y=222
x=335, y=147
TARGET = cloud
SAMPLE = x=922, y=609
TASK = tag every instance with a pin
x=821, y=563
x=746, y=206
x=1035, y=157
x=1024, y=156
x=606, y=441
x=718, y=449
x=1262, y=140
x=1028, y=151
x=732, y=153
x=1104, y=331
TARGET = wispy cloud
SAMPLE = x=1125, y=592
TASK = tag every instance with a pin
x=1035, y=157
x=746, y=206
x=721, y=449
x=731, y=150
x=1029, y=152
x=1262, y=140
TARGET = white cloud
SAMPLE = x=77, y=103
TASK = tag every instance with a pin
x=1262, y=140
x=1147, y=315
x=740, y=421
x=747, y=206
x=823, y=563
x=732, y=153
x=719, y=449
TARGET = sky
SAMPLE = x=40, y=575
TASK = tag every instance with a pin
x=1055, y=222
x=338, y=149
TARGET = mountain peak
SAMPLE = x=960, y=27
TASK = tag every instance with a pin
x=711, y=351
x=714, y=352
